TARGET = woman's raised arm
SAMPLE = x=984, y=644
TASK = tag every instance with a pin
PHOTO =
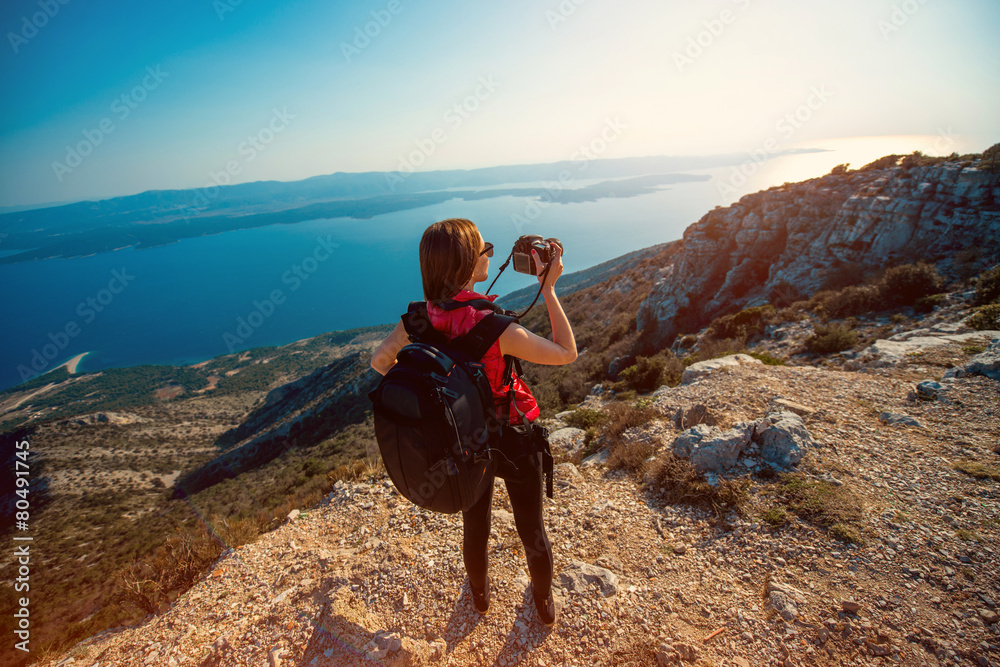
x=521, y=343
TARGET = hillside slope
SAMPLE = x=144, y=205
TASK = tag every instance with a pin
x=367, y=575
x=785, y=243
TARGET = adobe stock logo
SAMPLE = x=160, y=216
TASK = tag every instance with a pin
x=294, y=277
x=122, y=106
x=87, y=310
x=713, y=29
x=31, y=26
x=455, y=117
x=363, y=36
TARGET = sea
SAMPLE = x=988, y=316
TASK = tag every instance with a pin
x=202, y=297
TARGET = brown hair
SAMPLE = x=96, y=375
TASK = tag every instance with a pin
x=449, y=251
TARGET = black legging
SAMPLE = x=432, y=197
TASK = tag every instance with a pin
x=525, y=491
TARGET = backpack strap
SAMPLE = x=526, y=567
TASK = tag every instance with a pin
x=478, y=304
x=481, y=337
x=474, y=342
x=418, y=325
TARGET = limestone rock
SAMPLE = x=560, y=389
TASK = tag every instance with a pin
x=850, y=606
x=785, y=599
x=783, y=439
x=896, y=419
x=928, y=390
x=597, y=459
x=703, y=368
x=985, y=363
x=785, y=243
x=579, y=576
x=568, y=440
x=711, y=449
x=792, y=406
x=897, y=348
x=696, y=414
x=106, y=418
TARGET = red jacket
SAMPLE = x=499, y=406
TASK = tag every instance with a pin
x=455, y=323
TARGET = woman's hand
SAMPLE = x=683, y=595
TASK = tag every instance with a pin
x=521, y=343
x=555, y=267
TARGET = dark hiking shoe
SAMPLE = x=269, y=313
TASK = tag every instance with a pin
x=546, y=609
x=481, y=599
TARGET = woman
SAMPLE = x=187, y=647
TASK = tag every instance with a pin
x=453, y=258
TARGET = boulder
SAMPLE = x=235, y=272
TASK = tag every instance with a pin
x=711, y=449
x=783, y=439
x=928, y=390
x=703, y=368
x=617, y=365
x=892, y=351
x=568, y=440
x=696, y=414
x=986, y=363
x=785, y=599
x=598, y=459
x=579, y=576
x=896, y=419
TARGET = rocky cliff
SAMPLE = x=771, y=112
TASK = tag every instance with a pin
x=780, y=244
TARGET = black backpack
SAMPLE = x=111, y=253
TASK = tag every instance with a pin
x=435, y=418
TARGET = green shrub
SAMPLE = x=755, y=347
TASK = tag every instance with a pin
x=990, y=160
x=851, y=300
x=744, y=324
x=904, y=285
x=882, y=163
x=926, y=304
x=841, y=169
x=846, y=273
x=623, y=416
x=649, y=373
x=986, y=318
x=977, y=470
x=585, y=418
x=914, y=159
x=832, y=338
x=644, y=374
x=966, y=262
x=767, y=359
x=988, y=286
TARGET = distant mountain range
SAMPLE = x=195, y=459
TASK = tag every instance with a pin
x=159, y=217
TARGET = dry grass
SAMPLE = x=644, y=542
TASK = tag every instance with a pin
x=171, y=568
x=675, y=481
x=836, y=508
x=977, y=470
x=775, y=516
x=625, y=454
x=623, y=416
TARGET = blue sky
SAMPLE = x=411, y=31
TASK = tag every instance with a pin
x=533, y=81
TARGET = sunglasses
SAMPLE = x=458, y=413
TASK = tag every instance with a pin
x=487, y=250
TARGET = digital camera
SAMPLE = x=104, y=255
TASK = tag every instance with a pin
x=523, y=261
